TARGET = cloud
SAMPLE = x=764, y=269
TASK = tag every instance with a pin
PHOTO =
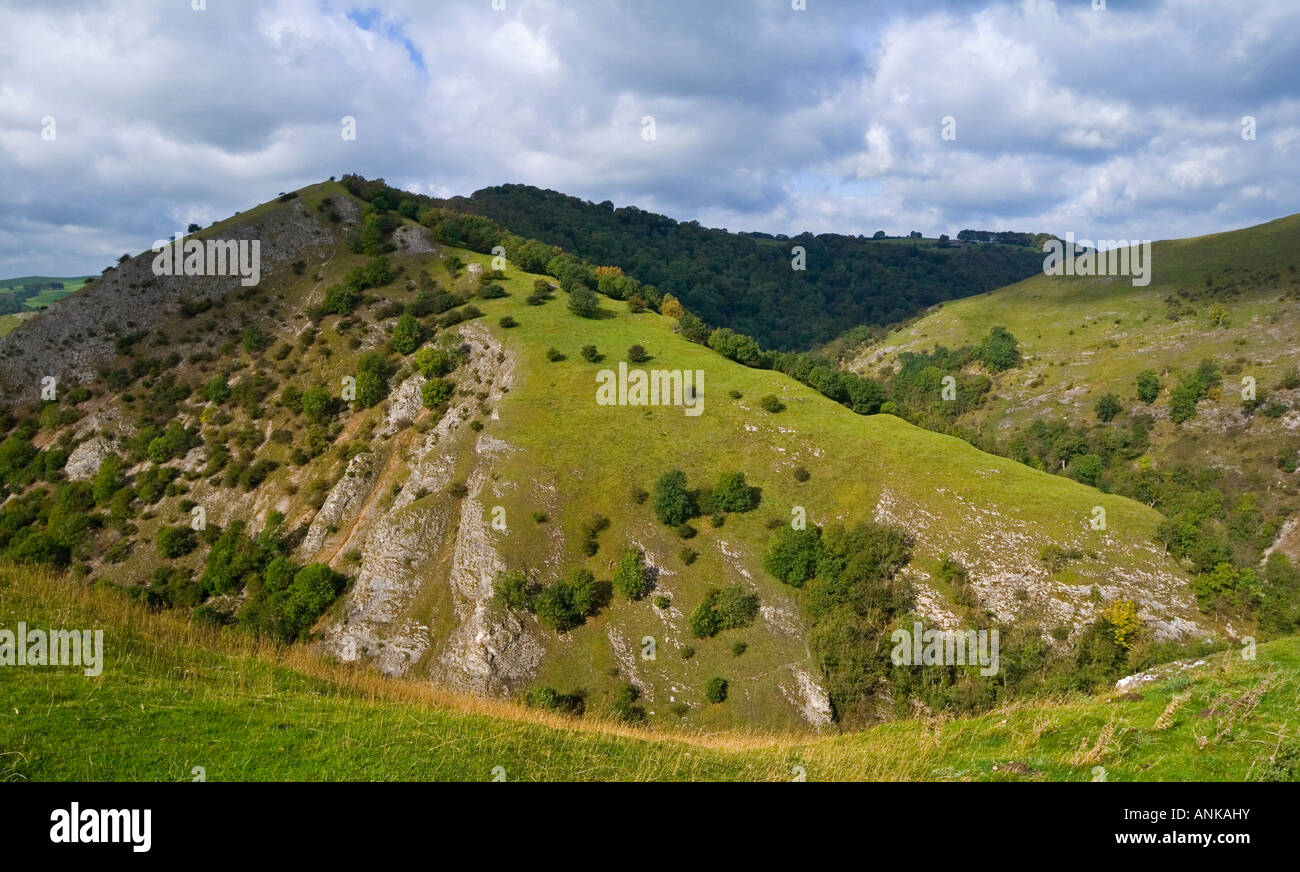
x=1123, y=122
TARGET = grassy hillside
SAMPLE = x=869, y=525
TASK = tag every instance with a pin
x=1230, y=298
x=401, y=498
x=173, y=697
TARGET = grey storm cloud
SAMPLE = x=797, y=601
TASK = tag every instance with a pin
x=1122, y=122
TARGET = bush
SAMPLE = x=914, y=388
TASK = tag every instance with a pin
x=590, y=354
x=1148, y=386
x=630, y=575
x=583, y=302
x=792, y=555
x=624, y=705
x=566, y=603
x=435, y=362
x=673, y=504
x=688, y=555
x=407, y=334
x=998, y=350
x=769, y=403
x=508, y=322
x=716, y=690
x=436, y=391
x=725, y=609
x=801, y=474
x=637, y=354
x=176, y=542
x=554, y=355
x=1108, y=407
x=732, y=493
x=513, y=590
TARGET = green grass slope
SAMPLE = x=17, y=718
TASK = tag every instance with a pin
x=544, y=445
x=1233, y=298
x=173, y=697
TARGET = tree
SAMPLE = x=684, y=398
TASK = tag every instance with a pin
x=436, y=391
x=583, y=302
x=673, y=504
x=733, y=494
x=218, y=390
x=998, y=350
x=630, y=576
x=637, y=354
x=317, y=403
x=407, y=334
x=671, y=307
x=1148, y=386
x=176, y=542
x=109, y=479
x=433, y=362
x=793, y=554
x=513, y=590
x=1108, y=407
x=1182, y=401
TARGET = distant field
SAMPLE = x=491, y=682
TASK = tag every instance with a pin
x=70, y=285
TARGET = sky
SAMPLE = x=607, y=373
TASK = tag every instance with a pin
x=122, y=121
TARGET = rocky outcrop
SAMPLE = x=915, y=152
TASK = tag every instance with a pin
x=345, y=500
x=80, y=333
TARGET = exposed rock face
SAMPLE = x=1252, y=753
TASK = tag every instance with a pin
x=1010, y=580
x=425, y=534
x=72, y=346
x=85, y=459
x=344, y=501
x=491, y=650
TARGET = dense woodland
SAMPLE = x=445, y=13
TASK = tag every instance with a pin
x=746, y=281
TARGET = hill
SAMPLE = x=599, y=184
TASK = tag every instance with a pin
x=173, y=697
x=1215, y=440
x=745, y=280
x=397, y=454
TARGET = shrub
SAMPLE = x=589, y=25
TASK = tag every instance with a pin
x=435, y=362
x=436, y=391
x=630, y=575
x=508, y=322
x=769, y=403
x=637, y=354
x=662, y=602
x=716, y=690
x=565, y=603
x=624, y=706
x=732, y=494
x=554, y=355
x=407, y=334
x=998, y=350
x=1108, y=407
x=688, y=555
x=1148, y=386
x=513, y=590
x=801, y=474
x=583, y=302
x=673, y=504
x=738, y=649
x=725, y=609
x=590, y=354
x=792, y=555
x=176, y=542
